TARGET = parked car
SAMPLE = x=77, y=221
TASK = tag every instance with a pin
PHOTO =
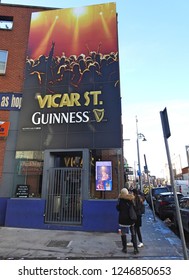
x=182, y=186
x=164, y=204
x=184, y=212
x=155, y=192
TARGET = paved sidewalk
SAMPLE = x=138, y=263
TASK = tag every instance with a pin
x=159, y=243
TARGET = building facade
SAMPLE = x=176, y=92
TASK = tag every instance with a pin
x=60, y=117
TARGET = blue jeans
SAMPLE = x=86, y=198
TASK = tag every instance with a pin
x=124, y=230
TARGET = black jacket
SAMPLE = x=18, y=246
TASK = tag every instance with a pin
x=123, y=206
x=138, y=206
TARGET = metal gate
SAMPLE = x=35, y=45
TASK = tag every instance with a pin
x=64, y=196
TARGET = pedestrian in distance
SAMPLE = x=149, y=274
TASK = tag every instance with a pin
x=125, y=207
x=139, y=209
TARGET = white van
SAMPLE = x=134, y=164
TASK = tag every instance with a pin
x=182, y=186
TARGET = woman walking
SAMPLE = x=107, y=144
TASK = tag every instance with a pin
x=138, y=201
x=139, y=209
x=125, y=207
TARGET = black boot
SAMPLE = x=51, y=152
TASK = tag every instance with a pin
x=136, y=251
x=135, y=244
x=124, y=243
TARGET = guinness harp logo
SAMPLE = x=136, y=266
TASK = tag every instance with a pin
x=99, y=114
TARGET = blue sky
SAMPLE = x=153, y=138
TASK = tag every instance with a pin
x=154, y=69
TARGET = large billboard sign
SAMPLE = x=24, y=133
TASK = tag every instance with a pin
x=72, y=92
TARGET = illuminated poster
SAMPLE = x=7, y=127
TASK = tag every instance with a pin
x=103, y=176
x=72, y=90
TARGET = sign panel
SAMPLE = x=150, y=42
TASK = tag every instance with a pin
x=72, y=93
x=4, y=129
x=10, y=101
x=165, y=123
x=22, y=191
x=103, y=176
x=30, y=167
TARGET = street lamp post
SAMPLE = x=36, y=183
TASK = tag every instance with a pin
x=139, y=136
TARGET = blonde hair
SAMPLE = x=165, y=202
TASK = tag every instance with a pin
x=124, y=191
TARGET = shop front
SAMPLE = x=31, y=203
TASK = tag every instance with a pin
x=66, y=190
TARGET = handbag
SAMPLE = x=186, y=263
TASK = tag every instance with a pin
x=132, y=213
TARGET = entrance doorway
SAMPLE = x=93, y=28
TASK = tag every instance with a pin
x=64, y=186
x=64, y=197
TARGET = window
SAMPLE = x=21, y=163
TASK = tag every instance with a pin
x=3, y=61
x=6, y=22
x=28, y=173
